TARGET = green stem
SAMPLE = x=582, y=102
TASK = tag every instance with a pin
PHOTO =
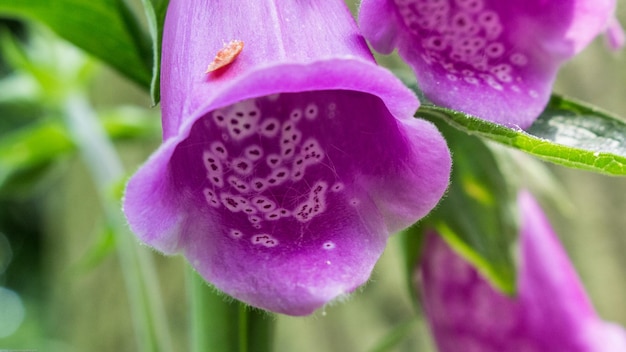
x=243, y=329
x=221, y=324
x=138, y=269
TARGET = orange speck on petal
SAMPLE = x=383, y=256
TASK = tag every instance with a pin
x=226, y=55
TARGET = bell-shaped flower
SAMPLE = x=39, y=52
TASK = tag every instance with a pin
x=287, y=163
x=494, y=59
x=550, y=311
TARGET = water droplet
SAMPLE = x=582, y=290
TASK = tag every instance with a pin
x=12, y=310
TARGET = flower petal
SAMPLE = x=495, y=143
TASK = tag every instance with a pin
x=496, y=60
x=551, y=311
x=283, y=173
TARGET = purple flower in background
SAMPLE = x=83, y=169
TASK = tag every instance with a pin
x=550, y=312
x=282, y=173
x=490, y=58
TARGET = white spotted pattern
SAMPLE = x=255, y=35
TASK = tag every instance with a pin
x=314, y=205
x=264, y=240
x=211, y=198
x=464, y=36
x=240, y=119
x=255, y=155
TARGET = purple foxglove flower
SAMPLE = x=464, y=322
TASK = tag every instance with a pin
x=282, y=173
x=490, y=58
x=550, y=312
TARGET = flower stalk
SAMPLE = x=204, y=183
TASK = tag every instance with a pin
x=220, y=323
x=103, y=162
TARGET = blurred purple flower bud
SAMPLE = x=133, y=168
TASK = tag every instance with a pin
x=550, y=312
x=493, y=59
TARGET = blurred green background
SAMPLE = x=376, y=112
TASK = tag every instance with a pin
x=58, y=257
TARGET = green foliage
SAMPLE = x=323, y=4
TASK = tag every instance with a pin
x=568, y=133
x=106, y=29
x=478, y=215
x=155, y=12
x=400, y=332
x=29, y=150
x=221, y=323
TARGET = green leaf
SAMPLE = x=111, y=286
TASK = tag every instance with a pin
x=478, y=215
x=98, y=252
x=106, y=29
x=30, y=149
x=128, y=123
x=567, y=133
x=398, y=334
x=155, y=12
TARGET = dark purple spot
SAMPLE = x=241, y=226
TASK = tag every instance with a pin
x=270, y=127
x=231, y=202
x=239, y=113
x=271, y=180
x=259, y=238
x=252, y=113
x=234, y=122
x=236, y=130
x=214, y=167
x=243, y=166
x=255, y=152
x=247, y=126
x=281, y=174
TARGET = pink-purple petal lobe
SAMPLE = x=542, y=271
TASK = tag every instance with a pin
x=286, y=201
x=493, y=59
x=550, y=312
